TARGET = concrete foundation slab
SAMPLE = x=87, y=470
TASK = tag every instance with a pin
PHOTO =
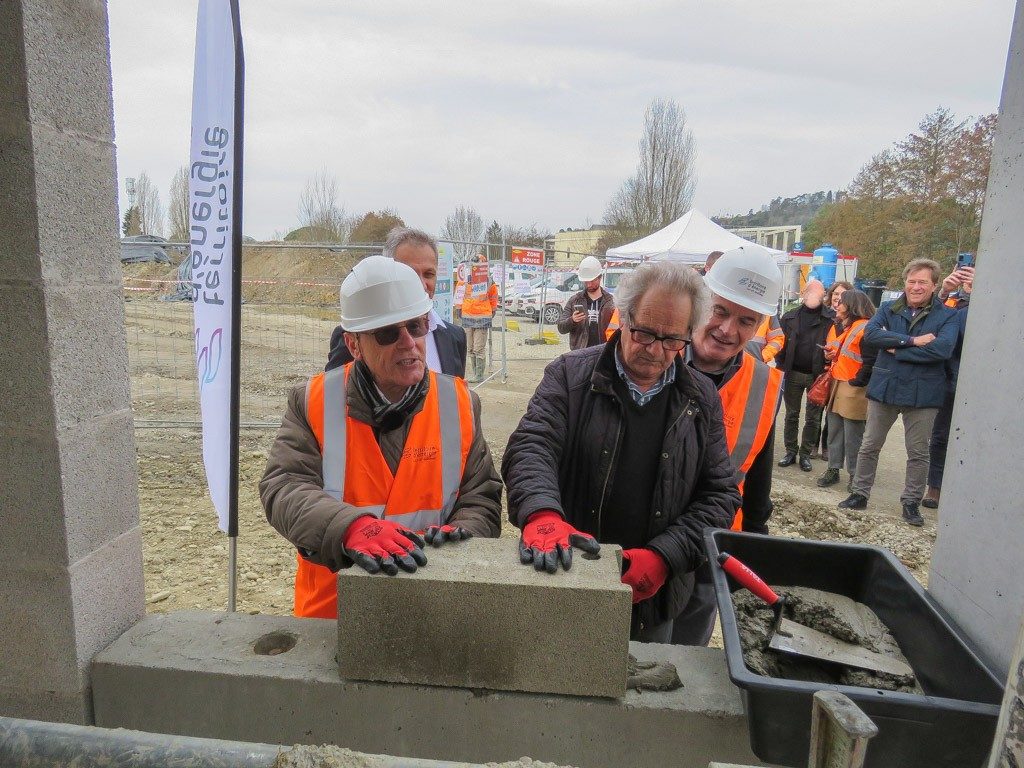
x=197, y=674
x=475, y=617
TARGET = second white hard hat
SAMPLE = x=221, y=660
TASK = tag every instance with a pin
x=380, y=291
x=589, y=269
x=748, y=276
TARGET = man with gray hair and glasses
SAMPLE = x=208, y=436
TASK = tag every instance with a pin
x=446, y=342
x=624, y=444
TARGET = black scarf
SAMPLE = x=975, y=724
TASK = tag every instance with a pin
x=387, y=416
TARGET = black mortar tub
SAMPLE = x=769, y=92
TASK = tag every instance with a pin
x=952, y=724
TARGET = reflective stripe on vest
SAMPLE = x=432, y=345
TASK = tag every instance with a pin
x=422, y=492
x=849, y=359
x=750, y=400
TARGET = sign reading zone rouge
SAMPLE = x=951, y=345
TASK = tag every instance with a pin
x=533, y=257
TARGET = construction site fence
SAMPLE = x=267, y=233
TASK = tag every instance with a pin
x=286, y=332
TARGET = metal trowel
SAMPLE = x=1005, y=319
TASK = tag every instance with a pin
x=790, y=637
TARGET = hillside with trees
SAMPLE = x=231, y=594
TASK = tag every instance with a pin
x=782, y=210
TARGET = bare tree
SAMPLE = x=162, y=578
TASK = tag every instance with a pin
x=662, y=188
x=177, y=208
x=462, y=226
x=151, y=213
x=319, y=209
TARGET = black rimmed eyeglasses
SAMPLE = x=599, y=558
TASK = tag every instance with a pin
x=646, y=337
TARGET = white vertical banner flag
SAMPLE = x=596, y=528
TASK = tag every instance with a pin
x=212, y=222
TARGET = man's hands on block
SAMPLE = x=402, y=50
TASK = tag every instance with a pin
x=439, y=534
x=380, y=545
x=547, y=540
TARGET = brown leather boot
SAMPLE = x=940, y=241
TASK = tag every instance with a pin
x=931, y=498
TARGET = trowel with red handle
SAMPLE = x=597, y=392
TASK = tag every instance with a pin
x=790, y=637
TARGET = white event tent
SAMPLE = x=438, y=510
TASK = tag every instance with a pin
x=690, y=238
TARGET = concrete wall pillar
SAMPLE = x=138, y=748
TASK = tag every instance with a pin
x=70, y=542
x=976, y=566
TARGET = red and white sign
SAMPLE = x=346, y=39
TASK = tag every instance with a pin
x=532, y=257
x=478, y=281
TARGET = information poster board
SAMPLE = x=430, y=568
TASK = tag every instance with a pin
x=444, y=289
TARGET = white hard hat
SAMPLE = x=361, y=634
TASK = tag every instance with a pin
x=589, y=269
x=748, y=276
x=380, y=291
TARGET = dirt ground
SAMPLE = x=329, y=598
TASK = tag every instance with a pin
x=185, y=557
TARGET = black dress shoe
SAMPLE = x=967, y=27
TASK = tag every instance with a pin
x=805, y=464
x=912, y=515
x=854, y=501
x=788, y=459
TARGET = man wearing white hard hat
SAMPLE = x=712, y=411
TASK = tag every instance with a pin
x=380, y=456
x=446, y=342
x=586, y=315
x=745, y=284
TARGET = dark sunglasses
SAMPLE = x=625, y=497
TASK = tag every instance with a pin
x=417, y=328
x=646, y=337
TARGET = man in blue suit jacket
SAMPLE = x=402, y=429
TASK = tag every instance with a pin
x=915, y=336
x=446, y=343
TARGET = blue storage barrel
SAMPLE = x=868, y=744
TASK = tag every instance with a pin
x=824, y=268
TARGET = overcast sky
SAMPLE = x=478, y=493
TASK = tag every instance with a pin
x=531, y=112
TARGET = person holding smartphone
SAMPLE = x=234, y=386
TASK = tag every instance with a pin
x=586, y=314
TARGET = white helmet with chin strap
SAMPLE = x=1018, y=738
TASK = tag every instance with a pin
x=748, y=276
x=379, y=292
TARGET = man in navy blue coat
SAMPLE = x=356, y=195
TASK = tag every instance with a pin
x=915, y=336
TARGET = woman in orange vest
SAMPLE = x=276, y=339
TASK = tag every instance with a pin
x=851, y=369
x=832, y=297
x=478, y=305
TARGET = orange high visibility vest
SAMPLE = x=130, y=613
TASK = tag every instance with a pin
x=613, y=325
x=750, y=400
x=770, y=338
x=848, y=362
x=422, y=493
x=480, y=306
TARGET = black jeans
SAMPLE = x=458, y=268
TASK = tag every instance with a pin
x=939, y=441
x=792, y=395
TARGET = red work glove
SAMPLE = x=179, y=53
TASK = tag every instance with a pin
x=646, y=572
x=381, y=545
x=547, y=540
x=439, y=534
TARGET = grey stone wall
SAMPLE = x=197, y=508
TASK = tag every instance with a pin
x=977, y=565
x=70, y=553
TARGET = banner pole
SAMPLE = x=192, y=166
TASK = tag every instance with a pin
x=236, y=310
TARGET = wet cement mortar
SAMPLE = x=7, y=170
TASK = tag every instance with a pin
x=327, y=756
x=832, y=614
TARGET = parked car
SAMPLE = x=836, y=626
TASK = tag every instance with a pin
x=555, y=291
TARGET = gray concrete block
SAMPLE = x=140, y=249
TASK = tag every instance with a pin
x=99, y=477
x=67, y=58
x=25, y=402
x=37, y=629
x=107, y=593
x=196, y=674
x=475, y=617
x=31, y=508
x=50, y=706
x=13, y=89
x=19, y=242
x=88, y=352
x=76, y=206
